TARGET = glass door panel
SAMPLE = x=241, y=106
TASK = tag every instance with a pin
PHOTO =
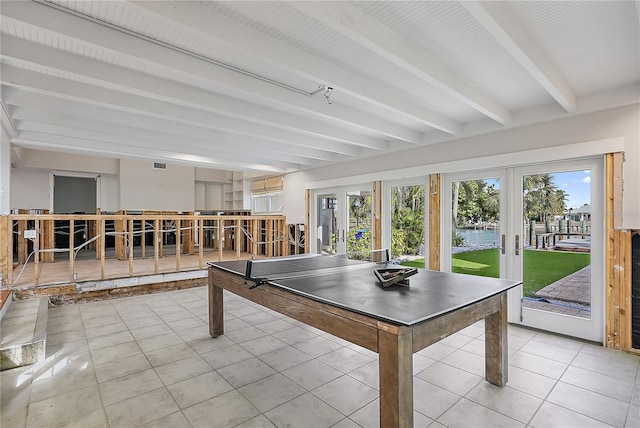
x=358, y=228
x=343, y=222
x=327, y=223
x=408, y=224
x=560, y=254
x=474, y=241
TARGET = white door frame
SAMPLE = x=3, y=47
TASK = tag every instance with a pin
x=589, y=329
x=445, y=215
x=342, y=214
x=386, y=208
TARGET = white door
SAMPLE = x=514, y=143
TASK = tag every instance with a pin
x=343, y=221
x=540, y=224
x=559, y=253
x=474, y=213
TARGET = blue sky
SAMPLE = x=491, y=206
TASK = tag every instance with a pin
x=577, y=184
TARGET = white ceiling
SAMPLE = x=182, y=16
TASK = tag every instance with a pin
x=240, y=85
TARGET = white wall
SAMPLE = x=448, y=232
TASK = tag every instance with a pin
x=621, y=122
x=109, y=193
x=30, y=189
x=5, y=169
x=145, y=188
x=209, y=196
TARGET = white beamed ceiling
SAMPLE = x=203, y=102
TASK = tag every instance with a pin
x=238, y=85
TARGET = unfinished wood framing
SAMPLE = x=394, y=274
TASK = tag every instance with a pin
x=618, y=259
x=434, y=221
x=376, y=207
x=307, y=200
x=6, y=253
x=263, y=237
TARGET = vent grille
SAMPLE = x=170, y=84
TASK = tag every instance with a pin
x=159, y=165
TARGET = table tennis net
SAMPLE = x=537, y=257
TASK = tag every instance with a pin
x=302, y=264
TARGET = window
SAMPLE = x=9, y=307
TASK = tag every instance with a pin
x=267, y=203
x=267, y=196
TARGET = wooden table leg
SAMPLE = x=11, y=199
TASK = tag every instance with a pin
x=216, y=310
x=496, y=344
x=395, y=349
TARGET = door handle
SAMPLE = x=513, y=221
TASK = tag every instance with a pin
x=503, y=240
x=517, y=245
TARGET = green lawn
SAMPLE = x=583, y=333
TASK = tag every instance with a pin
x=541, y=267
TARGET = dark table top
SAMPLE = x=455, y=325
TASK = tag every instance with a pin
x=352, y=285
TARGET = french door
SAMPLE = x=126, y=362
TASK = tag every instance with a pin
x=559, y=248
x=343, y=223
x=540, y=224
x=475, y=228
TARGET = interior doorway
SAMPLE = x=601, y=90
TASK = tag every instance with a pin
x=74, y=195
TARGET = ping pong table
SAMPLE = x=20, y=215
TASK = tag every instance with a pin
x=343, y=297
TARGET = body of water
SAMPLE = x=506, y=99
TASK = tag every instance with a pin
x=480, y=238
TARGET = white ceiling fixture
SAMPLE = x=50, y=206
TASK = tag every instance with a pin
x=285, y=86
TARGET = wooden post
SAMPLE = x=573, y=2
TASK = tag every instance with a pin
x=495, y=343
x=188, y=245
x=220, y=235
x=254, y=234
x=216, y=309
x=156, y=243
x=143, y=237
x=47, y=239
x=6, y=249
x=395, y=348
x=269, y=237
x=72, y=237
x=23, y=248
x=178, y=242
x=237, y=237
x=101, y=245
x=434, y=222
x=130, y=246
x=618, y=260
x=120, y=226
x=376, y=207
x=307, y=239
x=200, y=243
x=36, y=253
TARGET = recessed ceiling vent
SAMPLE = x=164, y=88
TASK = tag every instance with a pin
x=159, y=165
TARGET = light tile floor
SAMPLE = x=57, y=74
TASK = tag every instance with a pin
x=149, y=361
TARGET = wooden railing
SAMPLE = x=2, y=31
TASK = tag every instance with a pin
x=48, y=238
